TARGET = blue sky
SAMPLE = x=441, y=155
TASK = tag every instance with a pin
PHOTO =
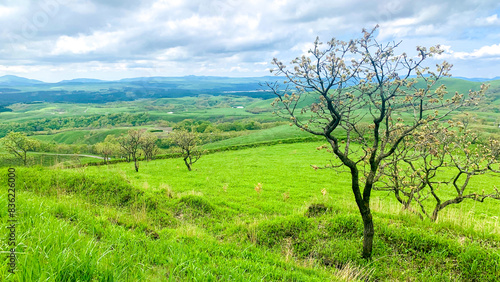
x=52, y=40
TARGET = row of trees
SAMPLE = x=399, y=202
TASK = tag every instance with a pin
x=126, y=119
x=137, y=143
x=204, y=126
x=94, y=121
x=131, y=146
x=381, y=123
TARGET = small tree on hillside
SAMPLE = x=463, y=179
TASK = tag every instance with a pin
x=19, y=144
x=414, y=172
x=107, y=148
x=362, y=92
x=187, y=144
x=149, y=146
x=131, y=145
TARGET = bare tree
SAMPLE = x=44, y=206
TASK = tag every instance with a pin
x=187, y=144
x=362, y=92
x=19, y=144
x=149, y=146
x=413, y=171
x=131, y=145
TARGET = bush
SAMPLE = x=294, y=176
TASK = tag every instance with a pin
x=271, y=233
x=194, y=205
x=315, y=210
x=346, y=225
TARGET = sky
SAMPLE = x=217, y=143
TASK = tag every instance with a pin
x=54, y=40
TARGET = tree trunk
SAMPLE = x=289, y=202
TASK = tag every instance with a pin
x=364, y=210
x=368, y=233
x=439, y=206
x=435, y=214
x=136, y=165
x=362, y=201
x=187, y=163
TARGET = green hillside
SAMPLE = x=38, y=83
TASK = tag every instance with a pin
x=279, y=133
x=164, y=223
x=81, y=136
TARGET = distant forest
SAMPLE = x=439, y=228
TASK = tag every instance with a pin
x=20, y=90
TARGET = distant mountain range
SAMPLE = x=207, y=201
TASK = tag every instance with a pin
x=81, y=80
x=15, y=89
x=12, y=80
x=477, y=79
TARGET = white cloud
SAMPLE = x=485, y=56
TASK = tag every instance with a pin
x=493, y=19
x=8, y=11
x=488, y=21
x=303, y=47
x=173, y=54
x=83, y=44
x=81, y=6
x=483, y=52
x=19, y=69
x=230, y=37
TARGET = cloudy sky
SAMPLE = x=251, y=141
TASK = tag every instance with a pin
x=52, y=40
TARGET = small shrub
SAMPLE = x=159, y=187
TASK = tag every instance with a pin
x=272, y=232
x=195, y=205
x=258, y=188
x=315, y=210
x=345, y=224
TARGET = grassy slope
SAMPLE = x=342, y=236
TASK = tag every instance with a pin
x=83, y=136
x=282, y=132
x=211, y=224
x=257, y=136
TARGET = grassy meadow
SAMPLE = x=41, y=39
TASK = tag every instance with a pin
x=165, y=223
x=253, y=209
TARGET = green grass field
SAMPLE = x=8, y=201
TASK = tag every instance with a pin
x=256, y=212
x=84, y=136
x=283, y=132
x=165, y=223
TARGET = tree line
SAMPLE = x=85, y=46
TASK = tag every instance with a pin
x=92, y=121
x=133, y=145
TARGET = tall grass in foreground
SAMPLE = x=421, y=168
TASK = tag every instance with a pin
x=75, y=241
x=165, y=223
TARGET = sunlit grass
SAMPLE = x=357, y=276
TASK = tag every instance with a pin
x=110, y=223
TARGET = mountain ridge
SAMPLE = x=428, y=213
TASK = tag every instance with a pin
x=14, y=89
x=14, y=80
